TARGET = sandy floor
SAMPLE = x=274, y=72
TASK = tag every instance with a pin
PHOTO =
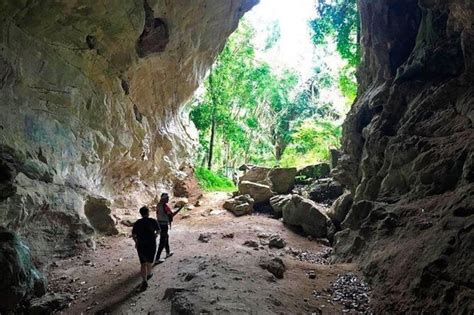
x=219, y=277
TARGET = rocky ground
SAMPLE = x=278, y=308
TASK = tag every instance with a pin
x=222, y=265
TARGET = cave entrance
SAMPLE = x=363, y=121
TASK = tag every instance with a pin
x=278, y=92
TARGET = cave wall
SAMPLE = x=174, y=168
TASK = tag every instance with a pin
x=409, y=156
x=91, y=95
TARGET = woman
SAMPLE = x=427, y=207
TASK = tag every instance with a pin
x=164, y=216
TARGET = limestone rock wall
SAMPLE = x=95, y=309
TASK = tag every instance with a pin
x=91, y=96
x=409, y=156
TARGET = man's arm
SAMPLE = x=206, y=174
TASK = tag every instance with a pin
x=157, y=228
x=176, y=212
x=134, y=235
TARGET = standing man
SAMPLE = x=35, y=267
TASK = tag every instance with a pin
x=164, y=215
x=144, y=233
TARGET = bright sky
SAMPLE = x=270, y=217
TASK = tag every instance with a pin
x=294, y=49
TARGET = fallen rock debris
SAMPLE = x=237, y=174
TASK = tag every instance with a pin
x=321, y=258
x=351, y=292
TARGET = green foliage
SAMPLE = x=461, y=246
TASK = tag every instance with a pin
x=347, y=83
x=261, y=117
x=338, y=19
x=210, y=181
x=248, y=103
x=312, y=142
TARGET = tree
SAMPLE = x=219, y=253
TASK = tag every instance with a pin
x=339, y=20
x=233, y=91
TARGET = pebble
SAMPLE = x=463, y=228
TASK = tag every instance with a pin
x=321, y=258
x=351, y=292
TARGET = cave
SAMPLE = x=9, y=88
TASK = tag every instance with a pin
x=92, y=100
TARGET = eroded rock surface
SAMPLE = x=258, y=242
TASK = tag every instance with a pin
x=408, y=156
x=20, y=278
x=91, y=101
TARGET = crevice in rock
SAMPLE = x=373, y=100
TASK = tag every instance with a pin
x=41, y=157
x=91, y=42
x=155, y=35
x=125, y=86
x=138, y=115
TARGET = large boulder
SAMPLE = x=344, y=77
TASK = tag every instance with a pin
x=98, y=211
x=259, y=192
x=300, y=212
x=316, y=171
x=240, y=205
x=282, y=179
x=340, y=207
x=257, y=174
x=325, y=190
x=20, y=280
x=277, y=203
x=187, y=185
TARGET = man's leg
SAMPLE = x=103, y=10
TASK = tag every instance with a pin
x=163, y=239
x=144, y=271
x=167, y=243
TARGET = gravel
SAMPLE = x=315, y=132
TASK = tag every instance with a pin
x=321, y=258
x=352, y=293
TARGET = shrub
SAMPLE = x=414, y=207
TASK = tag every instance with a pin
x=210, y=181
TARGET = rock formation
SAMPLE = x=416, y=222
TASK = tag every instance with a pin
x=239, y=205
x=92, y=97
x=20, y=279
x=409, y=156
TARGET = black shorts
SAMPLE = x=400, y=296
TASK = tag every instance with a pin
x=146, y=253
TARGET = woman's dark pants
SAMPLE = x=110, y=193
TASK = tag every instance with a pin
x=164, y=241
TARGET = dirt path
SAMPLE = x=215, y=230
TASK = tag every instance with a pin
x=219, y=277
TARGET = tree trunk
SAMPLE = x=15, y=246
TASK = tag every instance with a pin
x=213, y=121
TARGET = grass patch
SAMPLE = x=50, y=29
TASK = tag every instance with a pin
x=210, y=181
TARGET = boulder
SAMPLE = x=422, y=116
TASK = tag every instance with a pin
x=340, y=207
x=49, y=303
x=245, y=167
x=98, y=211
x=277, y=204
x=274, y=266
x=325, y=190
x=316, y=171
x=282, y=179
x=259, y=192
x=276, y=241
x=20, y=279
x=187, y=185
x=301, y=212
x=240, y=205
x=257, y=174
